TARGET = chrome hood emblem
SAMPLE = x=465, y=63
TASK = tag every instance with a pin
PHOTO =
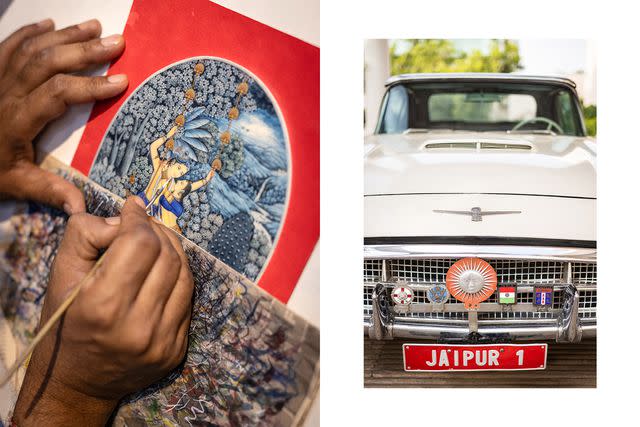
x=476, y=213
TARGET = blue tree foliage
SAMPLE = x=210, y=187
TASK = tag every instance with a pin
x=247, y=196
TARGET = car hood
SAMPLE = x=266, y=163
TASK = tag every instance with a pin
x=480, y=163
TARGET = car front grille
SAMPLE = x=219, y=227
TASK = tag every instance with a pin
x=523, y=273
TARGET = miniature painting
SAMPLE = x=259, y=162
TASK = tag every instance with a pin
x=203, y=144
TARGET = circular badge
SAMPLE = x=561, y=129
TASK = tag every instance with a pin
x=438, y=294
x=402, y=295
x=471, y=281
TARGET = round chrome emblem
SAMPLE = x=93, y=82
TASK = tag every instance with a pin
x=438, y=294
x=471, y=281
x=402, y=295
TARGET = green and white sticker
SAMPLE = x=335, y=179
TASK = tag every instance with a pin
x=507, y=295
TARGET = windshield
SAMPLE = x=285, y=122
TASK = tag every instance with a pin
x=480, y=106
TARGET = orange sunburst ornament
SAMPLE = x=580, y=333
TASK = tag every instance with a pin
x=471, y=281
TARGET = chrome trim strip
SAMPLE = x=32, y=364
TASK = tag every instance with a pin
x=520, y=333
x=454, y=321
x=483, y=307
x=521, y=288
x=480, y=251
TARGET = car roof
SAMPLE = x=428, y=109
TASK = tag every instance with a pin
x=519, y=78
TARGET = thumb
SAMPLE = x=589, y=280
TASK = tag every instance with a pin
x=85, y=236
x=26, y=181
x=133, y=214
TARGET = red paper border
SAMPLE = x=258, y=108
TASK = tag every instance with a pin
x=161, y=33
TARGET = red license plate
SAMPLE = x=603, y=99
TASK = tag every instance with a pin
x=462, y=357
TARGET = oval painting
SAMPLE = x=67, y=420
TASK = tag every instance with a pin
x=203, y=143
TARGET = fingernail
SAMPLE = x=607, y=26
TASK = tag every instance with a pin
x=87, y=25
x=67, y=209
x=45, y=23
x=139, y=202
x=113, y=220
x=111, y=40
x=117, y=78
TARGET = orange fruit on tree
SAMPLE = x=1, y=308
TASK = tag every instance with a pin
x=225, y=137
x=199, y=68
x=234, y=113
x=217, y=164
x=190, y=93
x=180, y=120
x=243, y=88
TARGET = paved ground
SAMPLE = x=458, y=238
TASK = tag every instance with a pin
x=568, y=365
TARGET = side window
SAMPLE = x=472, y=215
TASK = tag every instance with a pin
x=565, y=113
x=396, y=111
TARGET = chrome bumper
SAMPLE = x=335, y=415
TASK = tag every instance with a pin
x=568, y=328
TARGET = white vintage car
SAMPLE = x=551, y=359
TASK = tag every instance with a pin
x=480, y=211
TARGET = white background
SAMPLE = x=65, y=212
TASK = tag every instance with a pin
x=344, y=26
x=297, y=18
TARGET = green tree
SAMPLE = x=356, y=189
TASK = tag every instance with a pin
x=590, y=118
x=441, y=56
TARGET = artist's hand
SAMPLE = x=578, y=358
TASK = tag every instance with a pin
x=37, y=85
x=126, y=329
x=210, y=175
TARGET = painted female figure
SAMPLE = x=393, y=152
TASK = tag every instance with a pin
x=165, y=192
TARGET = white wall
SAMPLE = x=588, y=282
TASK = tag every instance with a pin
x=376, y=71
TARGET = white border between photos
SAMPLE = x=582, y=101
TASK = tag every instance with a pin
x=344, y=26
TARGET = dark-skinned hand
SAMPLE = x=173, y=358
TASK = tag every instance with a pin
x=38, y=81
x=126, y=329
x=128, y=325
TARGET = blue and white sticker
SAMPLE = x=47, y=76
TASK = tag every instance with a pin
x=543, y=296
x=438, y=294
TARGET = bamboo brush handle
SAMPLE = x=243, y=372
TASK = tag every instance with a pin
x=52, y=320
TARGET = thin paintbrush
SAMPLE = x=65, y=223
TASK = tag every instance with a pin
x=52, y=320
